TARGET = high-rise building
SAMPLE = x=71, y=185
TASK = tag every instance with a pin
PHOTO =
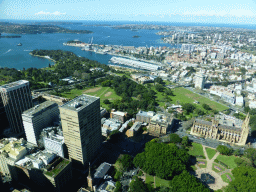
x=81, y=125
x=16, y=98
x=3, y=117
x=39, y=117
x=199, y=80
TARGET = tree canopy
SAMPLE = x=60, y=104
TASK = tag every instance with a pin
x=224, y=150
x=186, y=183
x=245, y=180
x=174, y=138
x=162, y=160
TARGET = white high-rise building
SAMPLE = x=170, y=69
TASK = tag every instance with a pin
x=39, y=117
x=199, y=80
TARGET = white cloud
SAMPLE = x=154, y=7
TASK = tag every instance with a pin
x=48, y=13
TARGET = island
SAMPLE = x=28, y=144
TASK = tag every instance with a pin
x=36, y=29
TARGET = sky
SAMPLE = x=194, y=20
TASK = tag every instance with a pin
x=195, y=11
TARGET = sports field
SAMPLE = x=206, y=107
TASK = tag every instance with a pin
x=183, y=95
x=98, y=91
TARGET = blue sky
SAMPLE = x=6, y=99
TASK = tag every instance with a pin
x=217, y=11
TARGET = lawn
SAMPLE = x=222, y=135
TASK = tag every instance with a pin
x=225, y=179
x=98, y=91
x=159, y=182
x=210, y=152
x=183, y=95
x=228, y=160
x=196, y=150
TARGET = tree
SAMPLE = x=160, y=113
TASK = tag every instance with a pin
x=159, y=87
x=237, y=152
x=159, y=80
x=163, y=160
x=224, y=150
x=188, y=108
x=118, y=187
x=118, y=175
x=126, y=161
x=186, y=182
x=199, y=112
x=168, y=92
x=206, y=107
x=106, y=101
x=185, y=141
x=245, y=180
x=137, y=185
x=174, y=138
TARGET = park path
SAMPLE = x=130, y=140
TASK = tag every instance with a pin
x=104, y=92
x=219, y=183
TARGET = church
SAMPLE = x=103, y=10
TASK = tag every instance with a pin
x=224, y=128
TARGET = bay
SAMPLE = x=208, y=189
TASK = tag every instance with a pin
x=18, y=57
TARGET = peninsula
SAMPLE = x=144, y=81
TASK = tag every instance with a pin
x=7, y=27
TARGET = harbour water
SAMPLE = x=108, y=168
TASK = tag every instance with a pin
x=18, y=57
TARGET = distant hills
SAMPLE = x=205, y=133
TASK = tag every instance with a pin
x=36, y=29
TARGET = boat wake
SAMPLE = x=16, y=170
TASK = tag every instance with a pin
x=28, y=50
x=7, y=51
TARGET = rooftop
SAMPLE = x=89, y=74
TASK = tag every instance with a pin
x=14, y=84
x=102, y=170
x=55, y=170
x=13, y=147
x=80, y=102
x=39, y=108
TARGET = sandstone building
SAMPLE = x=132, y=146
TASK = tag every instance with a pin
x=225, y=129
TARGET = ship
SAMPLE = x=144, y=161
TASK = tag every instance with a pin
x=19, y=44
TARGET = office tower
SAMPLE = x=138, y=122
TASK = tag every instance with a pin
x=39, y=117
x=16, y=98
x=199, y=80
x=81, y=127
x=3, y=117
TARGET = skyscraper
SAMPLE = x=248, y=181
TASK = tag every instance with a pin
x=81, y=127
x=16, y=98
x=199, y=80
x=39, y=117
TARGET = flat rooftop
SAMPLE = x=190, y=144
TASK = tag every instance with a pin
x=14, y=84
x=39, y=108
x=80, y=102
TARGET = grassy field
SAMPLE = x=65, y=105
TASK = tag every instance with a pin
x=225, y=179
x=228, y=160
x=159, y=182
x=196, y=150
x=98, y=91
x=183, y=95
x=210, y=152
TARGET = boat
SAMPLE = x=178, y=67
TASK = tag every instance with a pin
x=19, y=44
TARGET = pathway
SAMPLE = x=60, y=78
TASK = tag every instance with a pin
x=219, y=183
x=104, y=92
